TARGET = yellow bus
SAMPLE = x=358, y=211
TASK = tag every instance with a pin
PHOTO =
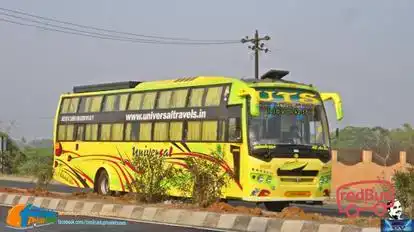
x=274, y=134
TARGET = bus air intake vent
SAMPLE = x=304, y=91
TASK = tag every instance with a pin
x=297, y=172
x=275, y=75
x=185, y=79
x=105, y=86
x=291, y=179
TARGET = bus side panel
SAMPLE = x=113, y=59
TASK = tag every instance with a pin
x=85, y=162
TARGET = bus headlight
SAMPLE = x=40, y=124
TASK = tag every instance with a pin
x=269, y=179
x=260, y=179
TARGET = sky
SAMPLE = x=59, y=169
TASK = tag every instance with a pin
x=360, y=49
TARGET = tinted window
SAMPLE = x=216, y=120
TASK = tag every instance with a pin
x=196, y=97
x=149, y=100
x=179, y=98
x=135, y=101
x=213, y=96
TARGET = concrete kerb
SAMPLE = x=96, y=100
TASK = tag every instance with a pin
x=26, y=179
x=183, y=217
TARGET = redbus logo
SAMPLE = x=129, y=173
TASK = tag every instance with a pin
x=375, y=199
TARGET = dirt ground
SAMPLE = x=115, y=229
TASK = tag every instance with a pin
x=287, y=213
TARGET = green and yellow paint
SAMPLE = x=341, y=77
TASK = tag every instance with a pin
x=68, y=165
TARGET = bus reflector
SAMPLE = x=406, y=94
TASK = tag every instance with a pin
x=58, y=149
x=298, y=194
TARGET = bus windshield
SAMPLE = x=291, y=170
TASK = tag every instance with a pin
x=289, y=123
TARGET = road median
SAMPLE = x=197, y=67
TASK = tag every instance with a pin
x=169, y=214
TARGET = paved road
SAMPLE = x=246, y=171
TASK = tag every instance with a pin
x=129, y=227
x=327, y=209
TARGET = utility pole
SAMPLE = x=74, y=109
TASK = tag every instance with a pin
x=256, y=47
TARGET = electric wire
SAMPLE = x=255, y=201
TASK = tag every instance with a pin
x=121, y=32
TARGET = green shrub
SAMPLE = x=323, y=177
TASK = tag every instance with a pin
x=202, y=180
x=39, y=167
x=207, y=179
x=154, y=180
x=404, y=188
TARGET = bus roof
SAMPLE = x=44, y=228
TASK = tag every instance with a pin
x=185, y=82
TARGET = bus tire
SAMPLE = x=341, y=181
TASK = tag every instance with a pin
x=276, y=206
x=102, y=183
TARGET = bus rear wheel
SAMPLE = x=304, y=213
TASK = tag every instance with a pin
x=102, y=183
x=276, y=206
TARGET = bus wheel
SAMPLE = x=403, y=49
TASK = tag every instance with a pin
x=102, y=184
x=276, y=206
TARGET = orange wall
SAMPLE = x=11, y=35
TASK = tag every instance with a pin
x=365, y=170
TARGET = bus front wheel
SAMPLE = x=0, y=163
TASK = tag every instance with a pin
x=276, y=206
x=102, y=183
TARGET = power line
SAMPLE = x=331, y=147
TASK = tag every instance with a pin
x=109, y=37
x=118, y=32
x=122, y=38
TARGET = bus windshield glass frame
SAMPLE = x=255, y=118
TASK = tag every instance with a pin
x=289, y=117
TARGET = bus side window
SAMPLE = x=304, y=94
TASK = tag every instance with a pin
x=135, y=101
x=131, y=131
x=91, y=132
x=196, y=97
x=222, y=130
x=176, y=131
x=73, y=106
x=80, y=133
x=178, y=99
x=84, y=104
x=64, y=106
x=164, y=100
x=96, y=102
x=121, y=103
x=209, y=131
x=194, y=130
x=213, y=97
x=117, y=132
x=148, y=102
x=145, y=131
x=109, y=103
x=69, y=105
x=160, y=131
x=105, y=133
x=66, y=132
x=234, y=130
x=61, y=132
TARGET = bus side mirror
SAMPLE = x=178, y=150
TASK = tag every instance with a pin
x=254, y=100
x=337, y=133
x=337, y=103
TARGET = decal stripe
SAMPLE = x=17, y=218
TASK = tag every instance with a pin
x=126, y=162
x=71, y=176
x=116, y=165
x=132, y=167
x=130, y=176
x=70, y=152
x=76, y=174
x=176, y=158
x=178, y=163
x=176, y=145
x=84, y=175
x=186, y=147
x=207, y=157
x=220, y=162
x=119, y=177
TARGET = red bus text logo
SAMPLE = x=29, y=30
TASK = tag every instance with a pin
x=374, y=199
